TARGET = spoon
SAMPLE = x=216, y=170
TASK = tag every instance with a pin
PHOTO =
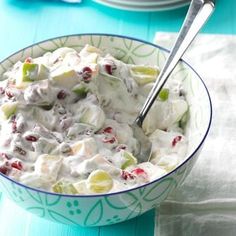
x=197, y=15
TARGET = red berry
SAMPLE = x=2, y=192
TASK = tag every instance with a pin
x=4, y=170
x=61, y=94
x=86, y=73
x=17, y=165
x=14, y=124
x=139, y=172
x=108, y=130
x=176, y=140
x=110, y=67
x=31, y=138
x=126, y=175
x=109, y=140
x=9, y=94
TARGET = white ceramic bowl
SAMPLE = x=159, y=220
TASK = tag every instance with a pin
x=96, y=210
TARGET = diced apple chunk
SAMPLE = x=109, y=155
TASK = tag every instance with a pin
x=144, y=74
x=86, y=147
x=8, y=109
x=81, y=187
x=129, y=159
x=93, y=115
x=31, y=72
x=65, y=77
x=48, y=166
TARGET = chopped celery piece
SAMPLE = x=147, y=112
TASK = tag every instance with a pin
x=129, y=160
x=164, y=94
x=8, y=109
x=64, y=187
x=144, y=74
x=81, y=90
x=99, y=181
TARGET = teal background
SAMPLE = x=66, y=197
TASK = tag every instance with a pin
x=24, y=22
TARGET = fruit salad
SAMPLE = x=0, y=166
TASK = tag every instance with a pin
x=65, y=122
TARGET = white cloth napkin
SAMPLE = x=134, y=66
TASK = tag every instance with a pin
x=206, y=202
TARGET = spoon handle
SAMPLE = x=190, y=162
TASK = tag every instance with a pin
x=198, y=13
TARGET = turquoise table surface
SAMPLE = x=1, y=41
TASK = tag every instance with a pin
x=23, y=22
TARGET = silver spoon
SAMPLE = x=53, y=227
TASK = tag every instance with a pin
x=197, y=15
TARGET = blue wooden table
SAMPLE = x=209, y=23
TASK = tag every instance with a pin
x=23, y=22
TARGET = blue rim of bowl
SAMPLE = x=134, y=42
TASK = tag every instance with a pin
x=130, y=189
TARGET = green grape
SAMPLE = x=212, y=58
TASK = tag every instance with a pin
x=164, y=94
x=129, y=160
x=99, y=181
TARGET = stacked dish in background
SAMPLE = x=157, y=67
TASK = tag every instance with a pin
x=140, y=5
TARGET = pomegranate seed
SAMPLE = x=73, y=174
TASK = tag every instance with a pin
x=9, y=94
x=108, y=130
x=17, y=165
x=20, y=150
x=2, y=91
x=126, y=175
x=4, y=170
x=109, y=140
x=86, y=73
x=61, y=94
x=14, y=124
x=28, y=60
x=4, y=155
x=31, y=138
x=110, y=67
x=139, y=172
x=176, y=140
x=121, y=147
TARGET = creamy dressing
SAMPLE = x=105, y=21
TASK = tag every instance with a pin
x=65, y=121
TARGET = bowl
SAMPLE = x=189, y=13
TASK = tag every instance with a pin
x=105, y=209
